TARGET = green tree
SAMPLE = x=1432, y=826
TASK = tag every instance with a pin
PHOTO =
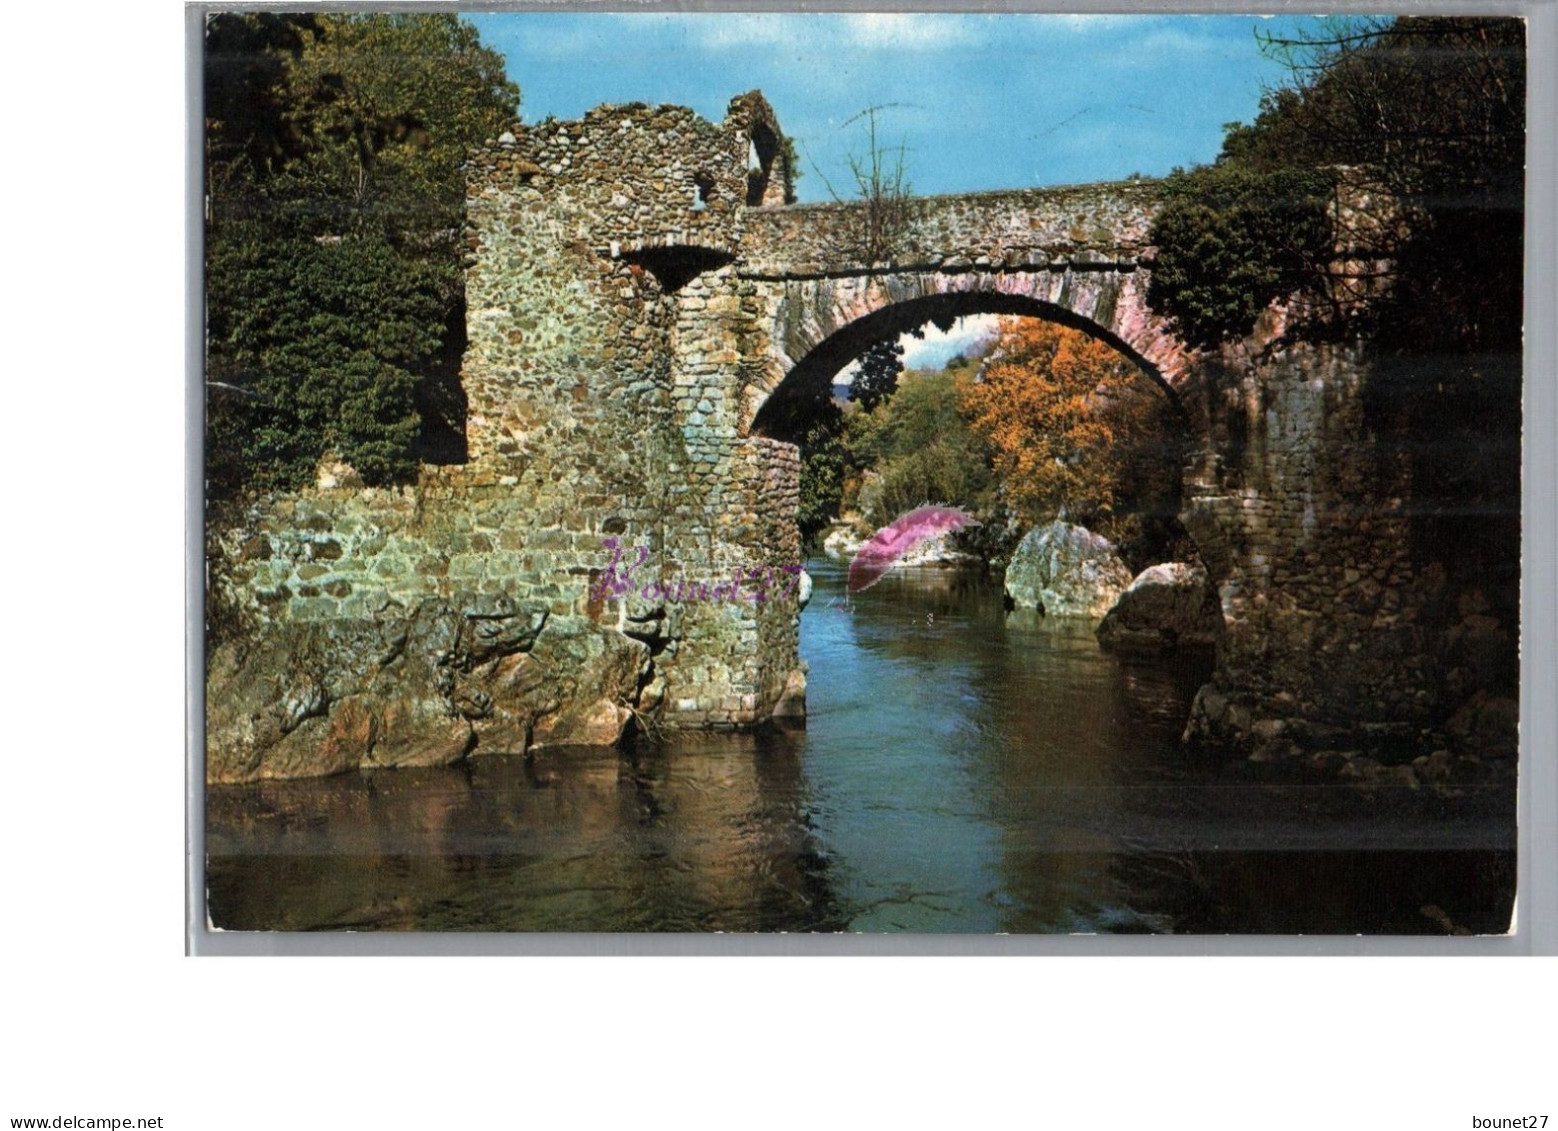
x=922, y=450
x=825, y=467
x=389, y=105
x=321, y=340
x=334, y=288
x=1432, y=110
x=1231, y=240
x=876, y=377
x=248, y=135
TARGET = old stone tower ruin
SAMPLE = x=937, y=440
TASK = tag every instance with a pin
x=637, y=288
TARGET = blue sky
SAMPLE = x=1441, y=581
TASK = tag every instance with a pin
x=980, y=101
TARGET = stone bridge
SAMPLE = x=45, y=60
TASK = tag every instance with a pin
x=637, y=289
x=1076, y=255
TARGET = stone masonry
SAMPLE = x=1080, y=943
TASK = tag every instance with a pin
x=637, y=288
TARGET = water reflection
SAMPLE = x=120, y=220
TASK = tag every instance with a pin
x=571, y=840
x=963, y=769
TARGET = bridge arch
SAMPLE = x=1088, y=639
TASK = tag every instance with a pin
x=822, y=362
x=821, y=325
x=818, y=325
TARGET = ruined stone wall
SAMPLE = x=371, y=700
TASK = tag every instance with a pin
x=336, y=552
x=409, y=626
x=733, y=655
x=1303, y=525
x=422, y=624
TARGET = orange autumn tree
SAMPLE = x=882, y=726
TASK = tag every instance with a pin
x=1061, y=413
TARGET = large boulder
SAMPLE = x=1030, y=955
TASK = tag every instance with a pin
x=937, y=550
x=1165, y=607
x=1066, y=571
x=597, y=724
x=426, y=687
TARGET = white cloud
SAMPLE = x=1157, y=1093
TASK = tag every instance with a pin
x=938, y=345
x=743, y=29
x=902, y=31
x=868, y=31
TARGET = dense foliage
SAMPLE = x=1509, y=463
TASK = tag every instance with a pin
x=334, y=202
x=1431, y=111
x=826, y=464
x=920, y=448
x=876, y=377
x=1076, y=432
x=1230, y=240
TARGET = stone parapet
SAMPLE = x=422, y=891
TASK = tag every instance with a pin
x=1081, y=226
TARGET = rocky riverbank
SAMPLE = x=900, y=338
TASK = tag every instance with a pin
x=1067, y=571
x=846, y=538
x=425, y=687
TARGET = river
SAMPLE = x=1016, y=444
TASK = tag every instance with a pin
x=962, y=769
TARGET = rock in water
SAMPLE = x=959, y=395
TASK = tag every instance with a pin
x=792, y=701
x=906, y=535
x=843, y=542
x=1164, y=607
x=599, y=724
x=427, y=688
x=1066, y=571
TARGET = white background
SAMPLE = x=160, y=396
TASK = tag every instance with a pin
x=101, y=1013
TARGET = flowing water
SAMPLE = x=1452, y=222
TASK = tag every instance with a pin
x=963, y=769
